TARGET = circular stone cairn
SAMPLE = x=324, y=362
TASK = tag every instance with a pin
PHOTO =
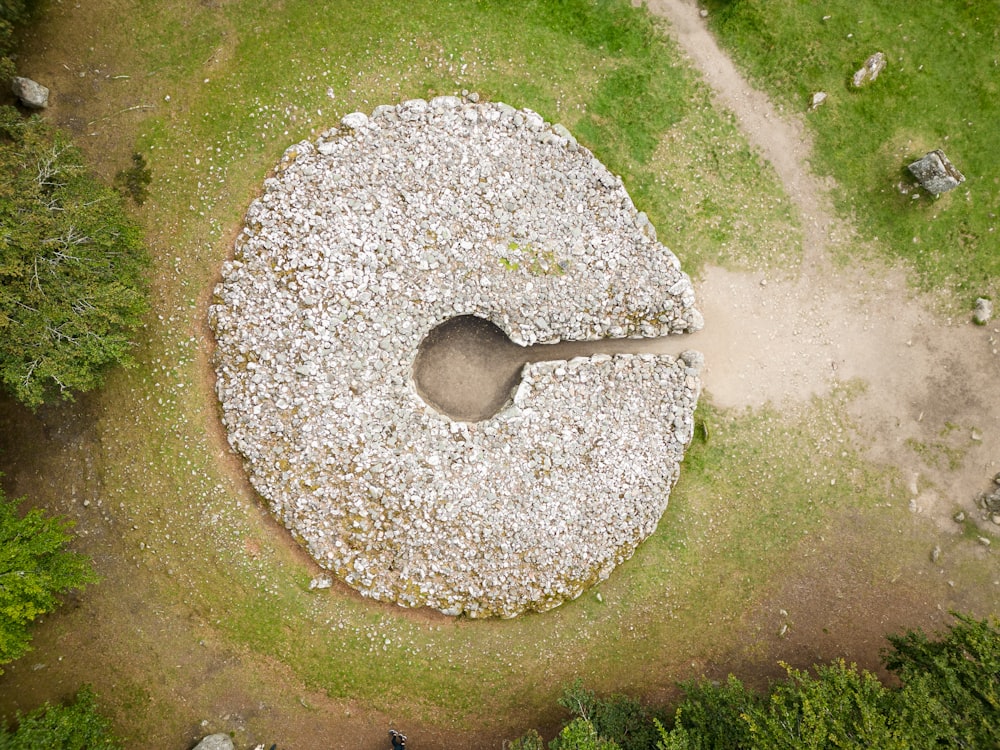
x=365, y=241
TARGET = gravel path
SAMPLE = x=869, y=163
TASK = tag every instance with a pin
x=785, y=340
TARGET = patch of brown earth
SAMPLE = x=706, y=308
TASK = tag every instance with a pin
x=929, y=404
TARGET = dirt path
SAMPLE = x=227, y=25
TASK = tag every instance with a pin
x=928, y=380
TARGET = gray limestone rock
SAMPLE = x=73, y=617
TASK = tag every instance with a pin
x=869, y=71
x=983, y=311
x=30, y=93
x=216, y=742
x=935, y=173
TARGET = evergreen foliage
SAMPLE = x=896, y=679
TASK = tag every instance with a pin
x=960, y=675
x=74, y=726
x=949, y=697
x=72, y=267
x=13, y=13
x=35, y=567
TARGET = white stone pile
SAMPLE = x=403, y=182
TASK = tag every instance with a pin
x=361, y=244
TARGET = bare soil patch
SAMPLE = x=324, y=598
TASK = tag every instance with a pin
x=928, y=403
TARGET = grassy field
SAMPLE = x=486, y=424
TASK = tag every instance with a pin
x=204, y=621
x=939, y=90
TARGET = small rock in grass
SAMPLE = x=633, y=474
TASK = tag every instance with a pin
x=959, y=517
x=983, y=311
x=869, y=71
x=984, y=541
x=320, y=582
x=817, y=99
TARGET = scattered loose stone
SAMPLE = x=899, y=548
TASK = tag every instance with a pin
x=320, y=582
x=817, y=99
x=869, y=71
x=361, y=244
x=935, y=554
x=935, y=173
x=216, y=742
x=991, y=501
x=985, y=541
x=959, y=517
x=983, y=311
x=30, y=93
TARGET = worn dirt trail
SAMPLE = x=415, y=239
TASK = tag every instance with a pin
x=927, y=378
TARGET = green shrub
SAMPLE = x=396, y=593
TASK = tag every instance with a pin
x=35, y=567
x=74, y=726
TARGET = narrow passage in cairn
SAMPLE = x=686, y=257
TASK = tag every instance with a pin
x=467, y=368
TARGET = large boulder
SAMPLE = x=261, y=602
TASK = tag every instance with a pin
x=935, y=173
x=869, y=71
x=30, y=93
x=983, y=311
x=216, y=742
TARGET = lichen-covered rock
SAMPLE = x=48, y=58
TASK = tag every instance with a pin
x=361, y=244
x=983, y=311
x=868, y=72
x=935, y=173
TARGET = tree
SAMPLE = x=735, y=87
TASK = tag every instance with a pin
x=12, y=13
x=35, y=567
x=959, y=675
x=75, y=726
x=949, y=696
x=72, y=267
x=840, y=707
x=711, y=717
x=618, y=718
x=580, y=734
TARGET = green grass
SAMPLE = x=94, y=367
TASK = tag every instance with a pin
x=939, y=90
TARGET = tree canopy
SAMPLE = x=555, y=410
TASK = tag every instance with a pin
x=35, y=567
x=949, y=696
x=72, y=266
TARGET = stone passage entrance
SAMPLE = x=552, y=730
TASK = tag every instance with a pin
x=380, y=243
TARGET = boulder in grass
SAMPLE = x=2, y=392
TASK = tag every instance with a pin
x=983, y=311
x=216, y=742
x=869, y=71
x=935, y=173
x=30, y=93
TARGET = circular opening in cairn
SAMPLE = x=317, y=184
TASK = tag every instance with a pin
x=466, y=368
